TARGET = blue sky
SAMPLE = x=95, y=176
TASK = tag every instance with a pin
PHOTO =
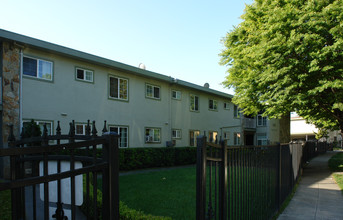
x=178, y=38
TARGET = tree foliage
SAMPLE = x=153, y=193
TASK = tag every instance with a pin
x=287, y=55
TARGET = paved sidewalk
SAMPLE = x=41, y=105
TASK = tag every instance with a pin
x=317, y=196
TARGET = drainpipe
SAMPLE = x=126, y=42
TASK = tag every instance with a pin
x=20, y=92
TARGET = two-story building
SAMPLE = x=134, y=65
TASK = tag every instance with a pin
x=49, y=83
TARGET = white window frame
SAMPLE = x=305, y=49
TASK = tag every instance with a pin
x=41, y=123
x=196, y=133
x=236, y=112
x=261, y=120
x=214, y=106
x=83, y=125
x=177, y=95
x=85, y=71
x=152, y=95
x=176, y=133
x=226, y=106
x=194, y=106
x=150, y=136
x=121, y=143
x=237, y=138
x=214, y=135
x=38, y=67
x=262, y=138
x=226, y=135
x=121, y=93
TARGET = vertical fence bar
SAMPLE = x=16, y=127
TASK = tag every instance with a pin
x=94, y=175
x=113, y=177
x=46, y=187
x=223, y=182
x=279, y=188
x=72, y=168
x=201, y=178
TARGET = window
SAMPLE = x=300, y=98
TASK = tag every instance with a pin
x=237, y=138
x=236, y=111
x=176, y=95
x=118, y=88
x=152, y=91
x=80, y=129
x=212, y=104
x=194, y=105
x=193, y=138
x=123, y=133
x=41, y=125
x=37, y=68
x=262, y=139
x=84, y=75
x=212, y=136
x=227, y=135
x=176, y=133
x=152, y=135
x=261, y=121
x=226, y=106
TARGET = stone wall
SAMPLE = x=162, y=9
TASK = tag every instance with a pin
x=10, y=90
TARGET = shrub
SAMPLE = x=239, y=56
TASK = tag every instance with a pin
x=140, y=158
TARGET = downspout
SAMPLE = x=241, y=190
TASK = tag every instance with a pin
x=169, y=109
x=20, y=91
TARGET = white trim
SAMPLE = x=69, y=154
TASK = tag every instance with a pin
x=153, y=91
x=118, y=87
x=118, y=127
x=190, y=106
x=151, y=138
x=178, y=133
x=37, y=70
x=178, y=94
x=214, y=104
x=84, y=74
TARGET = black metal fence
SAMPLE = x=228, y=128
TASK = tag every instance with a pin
x=314, y=148
x=245, y=182
x=33, y=183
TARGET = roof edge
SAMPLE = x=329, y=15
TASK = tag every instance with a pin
x=76, y=54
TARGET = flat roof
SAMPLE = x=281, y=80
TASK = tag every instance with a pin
x=75, y=54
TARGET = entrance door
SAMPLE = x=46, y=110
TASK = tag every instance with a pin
x=249, y=139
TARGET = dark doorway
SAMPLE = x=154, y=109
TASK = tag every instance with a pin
x=249, y=139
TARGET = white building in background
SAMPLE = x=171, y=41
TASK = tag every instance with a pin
x=302, y=131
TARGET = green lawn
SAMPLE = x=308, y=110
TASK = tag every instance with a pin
x=172, y=192
x=5, y=204
x=336, y=165
x=165, y=193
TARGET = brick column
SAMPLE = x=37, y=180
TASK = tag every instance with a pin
x=10, y=68
x=10, y=90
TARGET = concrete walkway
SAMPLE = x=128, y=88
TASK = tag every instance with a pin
x=317, y=196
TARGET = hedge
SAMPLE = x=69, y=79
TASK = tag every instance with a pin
x=141, y=158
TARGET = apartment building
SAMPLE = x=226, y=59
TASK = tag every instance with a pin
x=49, y=83
x=302, y=131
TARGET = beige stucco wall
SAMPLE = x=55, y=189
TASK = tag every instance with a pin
x=43, y=100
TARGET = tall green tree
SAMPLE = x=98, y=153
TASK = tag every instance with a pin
x=287, y=55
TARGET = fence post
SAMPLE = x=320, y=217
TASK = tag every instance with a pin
x=279, y=184
x=201, y=178
x=223, y=182
x=111, y=178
